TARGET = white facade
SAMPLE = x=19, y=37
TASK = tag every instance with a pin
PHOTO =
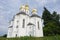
x=25, y=25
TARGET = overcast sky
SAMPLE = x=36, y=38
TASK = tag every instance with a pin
x=8, y=8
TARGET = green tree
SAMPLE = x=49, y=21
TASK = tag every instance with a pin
x=51, y=28
x=5, y=35
x=51, y=23
x=55, y=16
x=46, y=16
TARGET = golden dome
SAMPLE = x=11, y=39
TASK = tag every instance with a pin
x=34, y=10
x=22, y=7
x=26, y=7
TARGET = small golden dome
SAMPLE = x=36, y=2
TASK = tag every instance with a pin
x=26, y=7
x=22, y=7
x=34, y=10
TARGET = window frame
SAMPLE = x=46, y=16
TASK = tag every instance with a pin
x=23, y=23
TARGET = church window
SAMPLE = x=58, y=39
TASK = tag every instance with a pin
x=16, y=35
x=16, y=26
x=17, y=21
x=38, y=26
x=23, y=23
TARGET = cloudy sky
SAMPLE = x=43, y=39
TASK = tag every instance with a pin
x=8, y=8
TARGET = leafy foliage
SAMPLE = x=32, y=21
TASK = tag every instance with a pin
x=51, y=23
x=46, y=16
x=5, y=35
x=57, y=37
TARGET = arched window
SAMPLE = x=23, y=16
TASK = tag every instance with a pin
x=23, y=23
x=17, y=21
x=16, y=35
x=38, y=25
x=17, y=26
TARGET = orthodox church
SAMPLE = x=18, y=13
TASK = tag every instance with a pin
x=24, y=24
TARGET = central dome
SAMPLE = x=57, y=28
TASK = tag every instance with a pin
x=26, y=7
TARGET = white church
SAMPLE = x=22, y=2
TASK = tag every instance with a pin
x=24, y=24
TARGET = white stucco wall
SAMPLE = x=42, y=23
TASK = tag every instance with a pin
x=20, y=31
x=38, y=32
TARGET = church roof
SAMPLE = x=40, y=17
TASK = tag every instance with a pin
x=35, y=15
x=22, y=13
x=30, y=24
